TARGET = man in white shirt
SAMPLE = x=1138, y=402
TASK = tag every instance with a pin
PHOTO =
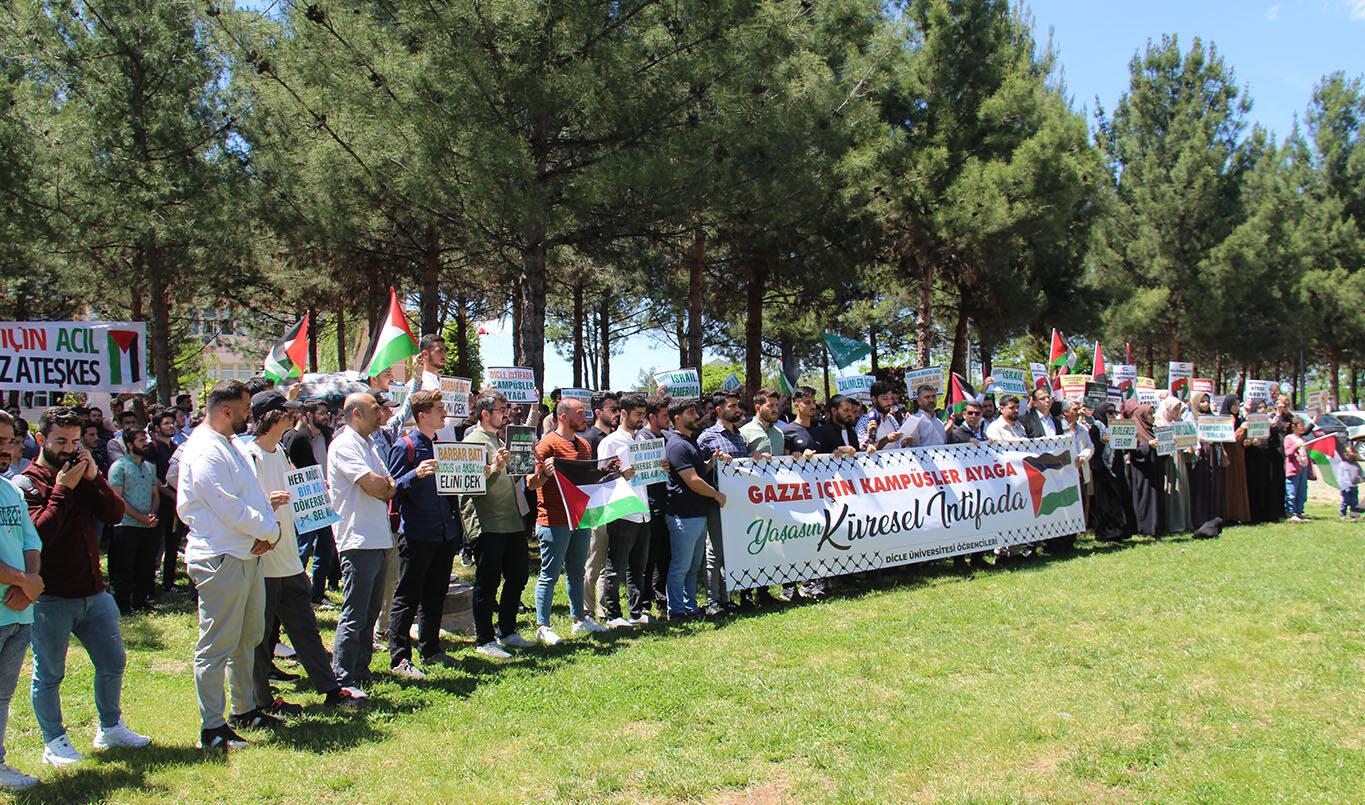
x=359, y=486
x=231, y=525
x=1006, y=427
x=923, y=429
x=628, y=537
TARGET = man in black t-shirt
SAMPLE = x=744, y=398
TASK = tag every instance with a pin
x=799, y=434
x=687, y=498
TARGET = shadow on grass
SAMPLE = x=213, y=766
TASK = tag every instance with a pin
x=116, y=769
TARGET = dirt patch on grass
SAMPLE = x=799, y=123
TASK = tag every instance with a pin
x=769, y=792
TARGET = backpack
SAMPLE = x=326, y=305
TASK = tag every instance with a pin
x=394, y=517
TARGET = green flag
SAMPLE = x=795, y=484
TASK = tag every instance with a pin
x=845, y=351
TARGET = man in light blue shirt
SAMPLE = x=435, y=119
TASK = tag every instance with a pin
x=20, y=586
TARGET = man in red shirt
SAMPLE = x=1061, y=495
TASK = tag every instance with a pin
x=559, y=544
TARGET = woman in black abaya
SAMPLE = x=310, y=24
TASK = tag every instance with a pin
x=1146, y=478
x=1111, y=515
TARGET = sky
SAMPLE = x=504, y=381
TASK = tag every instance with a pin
x=1277, y=50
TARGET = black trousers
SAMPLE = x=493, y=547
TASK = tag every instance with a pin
x=498, y=558
x=656, y=563
x=423, y=579
x=132, y=564
x=289, y=604
x=169, y=527
x=627, y=555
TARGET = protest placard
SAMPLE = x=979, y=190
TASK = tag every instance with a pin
x=731, y=383
x=1040, y=375
x=309, y=501
x=859, y=387
x=1122, y=435
x=1115, y=396
x=1204, y=384
x=1258, y=426
x=83, y=356
x=521, y=450
x=1073, y=386
x=1009, y=380
x=517, y=383
x=647, y=457
x=460, y=468
x=455, y=396
x=1186, y=435
x=1261, y=390
x=1178, y=374
x=1144, y=382
x=680, y=383
x=398, y=394
x=1147, y=397
x=931, y=376
x=1217, y=429
x=1165, y=440
x=1318, y=401
x=1095, y=394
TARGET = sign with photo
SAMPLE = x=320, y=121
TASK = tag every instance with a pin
x=1041, y=379
x=1096, y=394
x=460, y=468
x=1178, y=374
x=521, y=450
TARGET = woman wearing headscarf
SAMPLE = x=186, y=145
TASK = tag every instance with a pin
x=1266, y=499
x=1207, y=496
x=1145, y=474
x=1175, y=471
x=1235, y=500
x=1112, y=511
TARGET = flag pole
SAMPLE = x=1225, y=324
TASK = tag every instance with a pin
x=824, y=348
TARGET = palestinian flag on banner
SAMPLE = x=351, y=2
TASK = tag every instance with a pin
x=594, y=496
x=960, y=392
x=125, y=353
x=1048, y=482
x=1062, y=354
x=391, y=342
x=288, y=357
x=1098, y=368
x=1333, y=467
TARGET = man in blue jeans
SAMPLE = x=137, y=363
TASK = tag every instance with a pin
x=20, y=586
x=687, y=501
x=65, y=495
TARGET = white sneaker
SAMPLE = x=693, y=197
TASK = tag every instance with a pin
x=119, y=736
x=547, y=636
x=587, y=625
x=492, y=649
x=60, y=752
x=515, y=640
x=643, y=620
x=619, y=623
x=284, y=651
x=407, y=670
x=11, y=779
x=356, y=693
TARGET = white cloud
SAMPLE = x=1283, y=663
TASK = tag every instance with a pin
x=1273, y=13
x=1358, y=9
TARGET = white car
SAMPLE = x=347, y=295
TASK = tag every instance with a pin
x=1352, y=422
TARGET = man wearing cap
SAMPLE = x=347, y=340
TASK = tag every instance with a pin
x=231, y=525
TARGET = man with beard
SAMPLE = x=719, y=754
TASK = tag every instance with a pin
x=66, y=496
x=231, y=525
x=163, y=447
x=1038, y=421
x=132, y=550
x=1006, y=427
x=306, y=446
x=837, y=434
x=606, y=414
x=972, y=430
x=722, y=437
x=878, y=428
x=90, y=440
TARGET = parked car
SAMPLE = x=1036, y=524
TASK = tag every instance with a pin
x=1351, y=423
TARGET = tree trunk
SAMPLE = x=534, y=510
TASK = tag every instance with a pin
x=463, y=366
x=1151, y=362
x=431, y=275
x=924, y=322
x=316, y=327
x=1355, y=398
x=160, y=335
x=696, y=276
x=872, y=342
x=682, y=342
x=341, y=340
x=1334, y=375
x=1218, y=376
x=986, y=351
x=824, y=349
x=532, y=281
x=604, y=325
x=959, y=360
x=753, y=327
x=518, y=299
x=578, y=332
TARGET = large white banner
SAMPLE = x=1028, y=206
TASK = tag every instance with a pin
x=787, y=520
x=74, y=356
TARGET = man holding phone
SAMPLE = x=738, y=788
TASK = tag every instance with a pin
x=66, y=495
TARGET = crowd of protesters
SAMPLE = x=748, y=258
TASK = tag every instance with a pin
x=208, y=487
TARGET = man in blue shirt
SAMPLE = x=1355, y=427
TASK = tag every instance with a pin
x=429, y=526
x=20, y=586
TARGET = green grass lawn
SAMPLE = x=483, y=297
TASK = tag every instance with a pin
x=1157, y=671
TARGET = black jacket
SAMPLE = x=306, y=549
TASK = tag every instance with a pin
x=963, y=435
x=828, y=436
x=1033, y=424
x=299, y=446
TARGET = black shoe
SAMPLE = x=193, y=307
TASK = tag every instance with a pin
x=763, y=598
x=280, y=707
x=276, y=675
x=221, y=738
x=341, y=698
x=717, y=610
x=256, y=719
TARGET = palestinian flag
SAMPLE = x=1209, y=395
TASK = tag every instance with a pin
x=1050, y=485
x=125, y=353
x=1098, y=367
x=1062, y=354
x=392, y=340
x=288, y=357
x=960, y=392
x=1333, y=467
x=594, y=496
